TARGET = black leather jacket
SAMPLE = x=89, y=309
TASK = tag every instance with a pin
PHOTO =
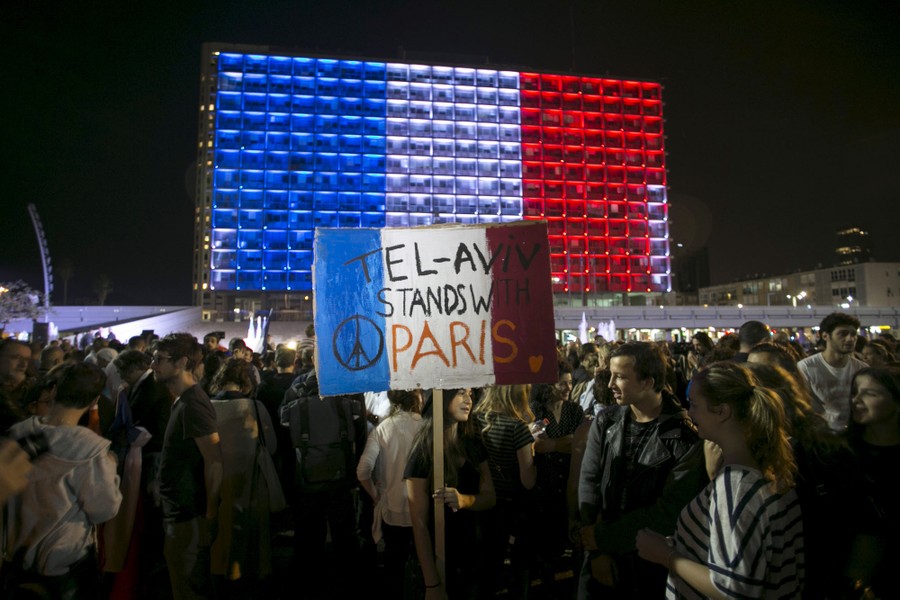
x=669, y=474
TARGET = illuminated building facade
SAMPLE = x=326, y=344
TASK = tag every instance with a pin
x=289, y=143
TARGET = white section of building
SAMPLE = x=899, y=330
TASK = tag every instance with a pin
x=454, y=146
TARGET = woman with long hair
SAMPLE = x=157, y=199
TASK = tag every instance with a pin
x=743, y=535
x=242, y=550
x=827, y=485
x=468, y=488
x=380, y=473
x=874, y=435
x=503, y=416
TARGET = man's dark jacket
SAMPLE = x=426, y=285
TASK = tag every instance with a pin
x=670, y=474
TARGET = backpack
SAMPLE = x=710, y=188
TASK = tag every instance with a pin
x=322, y=431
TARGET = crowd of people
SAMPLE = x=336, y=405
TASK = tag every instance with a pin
x=171, y=467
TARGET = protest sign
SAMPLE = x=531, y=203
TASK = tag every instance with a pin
x=446, y=306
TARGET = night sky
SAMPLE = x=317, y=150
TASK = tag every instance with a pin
x=782, y=118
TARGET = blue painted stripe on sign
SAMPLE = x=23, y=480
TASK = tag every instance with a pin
x=352, y=334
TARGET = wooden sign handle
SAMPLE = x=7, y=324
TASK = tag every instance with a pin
x=437, y=419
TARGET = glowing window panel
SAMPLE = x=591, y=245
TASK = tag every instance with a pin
x=300, y=142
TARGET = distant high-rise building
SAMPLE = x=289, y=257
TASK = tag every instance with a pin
x=691, y=270
x=853, y=246
x=288, y=143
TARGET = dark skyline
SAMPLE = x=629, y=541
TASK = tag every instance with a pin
x=782, y=118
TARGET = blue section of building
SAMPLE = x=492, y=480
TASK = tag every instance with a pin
x=299, y=143
x=351, y=337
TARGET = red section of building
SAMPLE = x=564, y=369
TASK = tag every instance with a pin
x=594, y=168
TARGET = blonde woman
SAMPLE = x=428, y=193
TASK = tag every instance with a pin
x=743, y=535
x=503, y=416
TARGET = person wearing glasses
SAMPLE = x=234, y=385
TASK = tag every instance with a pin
x=190, y=470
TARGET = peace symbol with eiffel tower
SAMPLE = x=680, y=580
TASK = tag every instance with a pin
x=347, y=343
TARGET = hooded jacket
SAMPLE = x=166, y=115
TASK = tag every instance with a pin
x=72, y=488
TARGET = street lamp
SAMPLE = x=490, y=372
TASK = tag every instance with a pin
x=799, y=296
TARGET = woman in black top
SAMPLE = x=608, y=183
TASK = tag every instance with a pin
x=553, y=453
x=467, y=488
x=874, y=434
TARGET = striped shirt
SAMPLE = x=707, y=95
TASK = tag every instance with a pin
x=503, y=439
x=750, y=538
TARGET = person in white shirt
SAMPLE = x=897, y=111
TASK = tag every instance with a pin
x=380, y=472
x=830, y=372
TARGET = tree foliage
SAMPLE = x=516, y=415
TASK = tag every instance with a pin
x=102, y=287
x=18, y=301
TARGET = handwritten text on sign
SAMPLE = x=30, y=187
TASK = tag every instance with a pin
x=441, y=307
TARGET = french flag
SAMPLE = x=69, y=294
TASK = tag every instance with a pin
x=305, y=143
x=446, y=307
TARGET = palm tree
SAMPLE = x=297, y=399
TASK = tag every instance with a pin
x=102, y=287
x=65, y=270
